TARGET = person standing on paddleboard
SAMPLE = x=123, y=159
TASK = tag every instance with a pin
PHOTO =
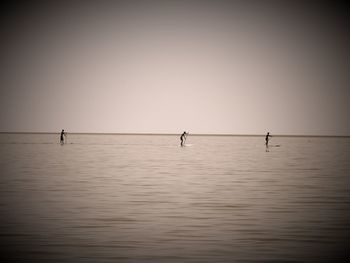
x=62, y=136
x=183, y=137
x=267, y=138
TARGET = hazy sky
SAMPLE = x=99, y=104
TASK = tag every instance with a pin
x=170, y=66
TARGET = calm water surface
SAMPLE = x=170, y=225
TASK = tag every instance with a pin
x=128, y=198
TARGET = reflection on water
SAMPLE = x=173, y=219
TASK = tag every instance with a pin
x=110, y=198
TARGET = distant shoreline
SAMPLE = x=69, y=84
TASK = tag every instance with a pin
x=176, y=134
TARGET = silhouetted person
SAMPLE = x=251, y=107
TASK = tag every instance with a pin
x=183, y=137
x=267, y=138
x=62, y=136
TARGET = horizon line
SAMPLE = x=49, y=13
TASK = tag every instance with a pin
x=175, y=134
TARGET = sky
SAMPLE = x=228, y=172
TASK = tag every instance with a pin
x=227, y=67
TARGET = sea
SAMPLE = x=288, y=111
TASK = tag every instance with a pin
x=144, y=198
